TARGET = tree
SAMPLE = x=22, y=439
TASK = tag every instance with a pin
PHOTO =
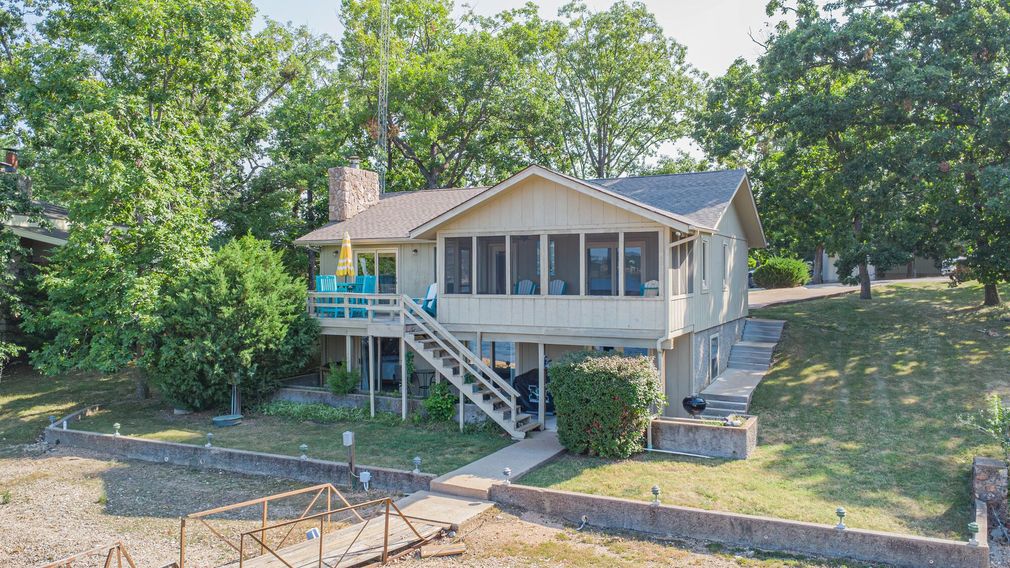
x=241, y=317
x=15, y=200
x=143, y=116
x=465, y=98
x=625, y=88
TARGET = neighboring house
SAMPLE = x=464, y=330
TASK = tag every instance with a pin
x=536, y=266
x=918, y=267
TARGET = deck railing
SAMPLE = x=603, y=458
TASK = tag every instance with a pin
x=349, y=306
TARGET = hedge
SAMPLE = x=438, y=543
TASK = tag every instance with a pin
x=780, y=272
x=603, y=402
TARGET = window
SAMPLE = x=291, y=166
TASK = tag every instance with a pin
x=563, y=265
x=387, y=272
x=725, y=266
x=636, y=351
x=491, y=265
x=641, y=264
x=601, y=264
x=683, y=269
x=458, y=269
x=525, y=264
x=704, y=265
x=382, y=266
x=500, y=356
x=713, y=356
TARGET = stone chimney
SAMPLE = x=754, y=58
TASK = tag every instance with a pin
x=352, y=190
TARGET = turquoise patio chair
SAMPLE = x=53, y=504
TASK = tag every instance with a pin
x=362, y=285
x=429, y=303
x=525, y=288
x=556, y=287
x=324, y=306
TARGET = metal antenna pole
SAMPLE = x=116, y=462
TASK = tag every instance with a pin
x=382, y=114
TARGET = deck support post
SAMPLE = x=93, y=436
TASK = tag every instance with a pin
x=403, y=379
x=542, y=385
x=462, y=405
x=371, y=375
x=348, y=352
x=322, y=359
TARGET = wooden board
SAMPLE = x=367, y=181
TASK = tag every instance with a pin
x=356, y=549
x=431, y=550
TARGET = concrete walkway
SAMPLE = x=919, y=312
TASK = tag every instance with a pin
x=761, y=298
x=455, y=513
x=474, y=480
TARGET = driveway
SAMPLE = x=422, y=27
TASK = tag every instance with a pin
x=759, y=297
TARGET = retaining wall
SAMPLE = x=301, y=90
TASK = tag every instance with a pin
x=696, y=437
x=227, y=459
x=391, y=404
x=751, y=531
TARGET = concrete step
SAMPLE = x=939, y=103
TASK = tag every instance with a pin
x=720, y=412
x=716, y=398
x=725, y=405
x=750, y=354
x=748, y=366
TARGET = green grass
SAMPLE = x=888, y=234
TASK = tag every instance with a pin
x=26, y=401
x=858, y=411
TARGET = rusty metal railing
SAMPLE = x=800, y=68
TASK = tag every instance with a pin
x=326, y=489
x=113, y=552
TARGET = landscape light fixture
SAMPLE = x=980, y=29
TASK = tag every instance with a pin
x=973, y=529
x=507, y=472
x=417, y=464
x=304, y=448
x=841, y=518
x=116, y=428
x=655, y=494
x=210, y=436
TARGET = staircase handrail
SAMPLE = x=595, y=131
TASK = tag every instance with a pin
x=414, y=311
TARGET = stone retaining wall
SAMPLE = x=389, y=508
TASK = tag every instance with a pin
x=751, y=531
x=989, y=485
x=694, y=436
x=239, y=461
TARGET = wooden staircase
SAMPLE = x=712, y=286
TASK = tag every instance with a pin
x=464, y=370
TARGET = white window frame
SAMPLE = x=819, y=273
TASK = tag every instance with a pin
x=725, y=266
x=705, y=265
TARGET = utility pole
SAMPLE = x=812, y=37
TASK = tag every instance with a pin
x=382, y=114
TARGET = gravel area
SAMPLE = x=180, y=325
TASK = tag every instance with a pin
x=56, y=503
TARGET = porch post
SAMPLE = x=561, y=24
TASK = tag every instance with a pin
x=371, y=375
x=403, y=379
x=348, y=352
x=322, y=359
x=542, y=372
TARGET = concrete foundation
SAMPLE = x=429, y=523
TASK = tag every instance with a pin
x=698, y=437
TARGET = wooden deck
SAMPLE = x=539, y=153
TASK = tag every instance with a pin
x=359, y=544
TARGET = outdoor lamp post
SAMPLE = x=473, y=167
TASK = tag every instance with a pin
x=841, y=518
x=116, y=428
x=507, y=472
x=417, y=464
x=210, y=436
x=655, y=494
x=973, y=529
x=304, y=448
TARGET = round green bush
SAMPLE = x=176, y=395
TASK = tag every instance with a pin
x=604, y=401
x=780, y=272
x=239, y=315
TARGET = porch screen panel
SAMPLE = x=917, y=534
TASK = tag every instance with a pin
x=491, y=265
x=601, y=264
x=641, y=264
x=683, y=272
x=563, y=265
x=526, y=264
x=458, y=278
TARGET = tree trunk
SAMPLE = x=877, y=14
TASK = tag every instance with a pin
x=312, y=269
x=910, y=269
x=864, y=282
x=818, y=276
x=991, y=295
x=142, y=390
x=310, y=218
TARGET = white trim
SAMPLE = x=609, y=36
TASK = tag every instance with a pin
x=33, y=236
x=750, y=194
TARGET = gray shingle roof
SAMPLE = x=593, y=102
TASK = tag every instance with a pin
x=702, y=197
x=393, y=216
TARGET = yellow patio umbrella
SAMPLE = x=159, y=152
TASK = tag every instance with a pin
x=345, y=263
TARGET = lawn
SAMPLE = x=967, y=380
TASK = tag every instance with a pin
x=26, y=401
x=860, y=411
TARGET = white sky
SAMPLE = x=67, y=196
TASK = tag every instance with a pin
x=715, y=31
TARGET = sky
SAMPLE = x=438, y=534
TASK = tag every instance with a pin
x=715, y=31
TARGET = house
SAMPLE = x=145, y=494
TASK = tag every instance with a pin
x=529, y=269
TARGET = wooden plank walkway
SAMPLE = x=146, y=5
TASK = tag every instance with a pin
x=338, y=550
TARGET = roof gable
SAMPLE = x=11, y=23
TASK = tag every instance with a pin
x=427, y=229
